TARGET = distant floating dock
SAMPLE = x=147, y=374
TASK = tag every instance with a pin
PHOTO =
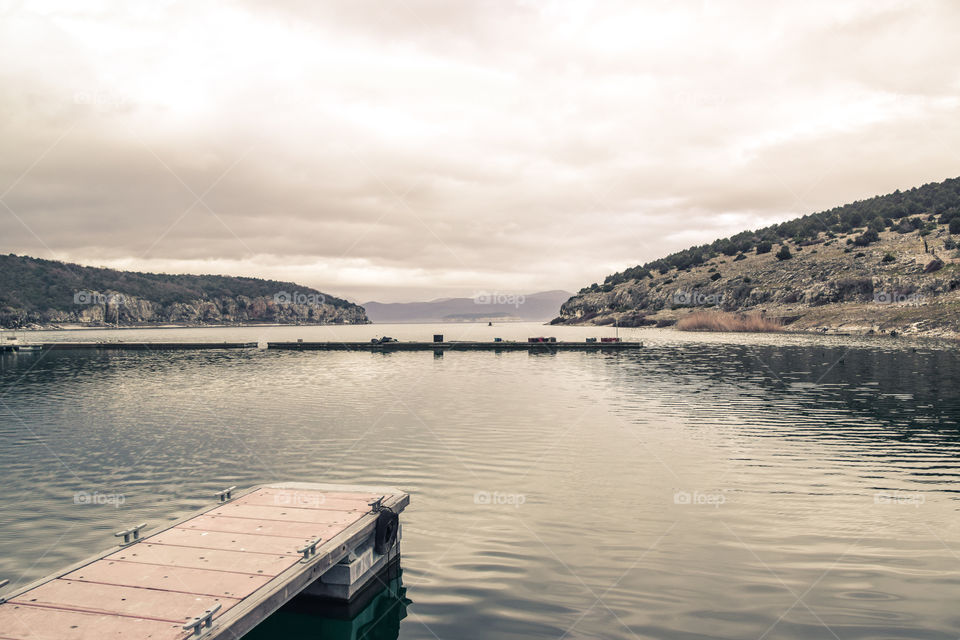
x=219, y=573
x=456, y=346
x=339, y=346
x=146, y=346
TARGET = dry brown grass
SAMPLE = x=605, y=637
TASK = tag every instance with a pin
x=721, y=321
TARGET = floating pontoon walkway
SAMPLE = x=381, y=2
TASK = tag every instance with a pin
x=342, y=346
x=456, y=346
x=147, y=346
x=219, y=573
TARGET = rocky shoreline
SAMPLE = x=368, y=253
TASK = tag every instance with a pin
x=128, y=311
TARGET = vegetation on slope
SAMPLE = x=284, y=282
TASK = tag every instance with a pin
x=889, y=263
x=897, y=211
x=33, y=290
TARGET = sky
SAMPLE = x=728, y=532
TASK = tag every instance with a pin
x=400, y=150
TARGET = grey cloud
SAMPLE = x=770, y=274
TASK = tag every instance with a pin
x=473, y=145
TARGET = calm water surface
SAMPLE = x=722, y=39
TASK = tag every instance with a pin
x=708, y=486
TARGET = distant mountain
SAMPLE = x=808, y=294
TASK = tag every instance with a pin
x=492, y=307
x=44, y=292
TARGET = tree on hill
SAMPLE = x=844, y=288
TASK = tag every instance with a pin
x=784, y=253
x=867, y=237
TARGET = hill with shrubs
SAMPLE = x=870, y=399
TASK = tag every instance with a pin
x=36, y=293
x=888, y=264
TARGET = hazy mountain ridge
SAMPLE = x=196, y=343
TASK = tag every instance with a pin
x=494, y=307
x=34, y=291
x=884, y=264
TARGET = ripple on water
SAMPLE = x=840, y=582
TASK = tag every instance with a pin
x=544, y=489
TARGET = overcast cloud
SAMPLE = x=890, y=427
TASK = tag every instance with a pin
x=411, y=149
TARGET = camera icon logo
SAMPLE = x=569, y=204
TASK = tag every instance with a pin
x=282, y=297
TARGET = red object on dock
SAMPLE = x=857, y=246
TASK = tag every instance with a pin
x=227, y=567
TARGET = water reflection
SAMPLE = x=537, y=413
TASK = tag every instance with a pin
x=375, y=615
x=837, y=463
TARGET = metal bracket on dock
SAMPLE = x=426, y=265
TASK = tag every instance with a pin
x=226, y=495
x=377, y=505
x=133, y=532
x=203, y=620
x=3, y=583
x=309, y=549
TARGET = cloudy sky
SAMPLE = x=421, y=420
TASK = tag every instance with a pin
x=411, y=149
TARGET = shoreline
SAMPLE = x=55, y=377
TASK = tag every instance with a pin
x=939, y=320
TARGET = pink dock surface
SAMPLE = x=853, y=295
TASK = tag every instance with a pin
x=241, y=554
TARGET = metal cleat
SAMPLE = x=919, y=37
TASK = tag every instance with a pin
x=377, y=505
x=309, y=550
x=203, y=620
x=226, y=495
x=133, y=532
x=3, y=583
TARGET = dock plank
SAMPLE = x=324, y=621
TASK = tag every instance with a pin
x=21, y=622
x=201, y=539
x=330, y=495
x=213, y=559
x=280, y=529
x=137, y=602
x=151, y=576
x=306, y=500
x=287, y=514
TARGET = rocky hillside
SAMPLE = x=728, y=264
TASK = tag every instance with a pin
x=884, y=265
x=36, y=292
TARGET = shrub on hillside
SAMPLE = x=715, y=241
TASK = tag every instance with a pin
x=784, y=253
x=867, y=237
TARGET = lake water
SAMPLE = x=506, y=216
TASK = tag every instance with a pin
x=708, y=486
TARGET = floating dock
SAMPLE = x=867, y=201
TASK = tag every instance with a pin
x=337, y=346
x=146, y=346
x=456, y=346
x=219, y=573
